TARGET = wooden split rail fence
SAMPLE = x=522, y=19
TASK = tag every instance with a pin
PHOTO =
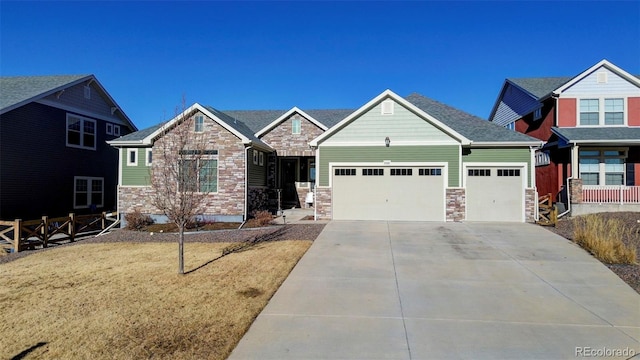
x=20, y=234
x=547, y=211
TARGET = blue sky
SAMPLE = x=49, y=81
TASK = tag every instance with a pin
x=314, y=55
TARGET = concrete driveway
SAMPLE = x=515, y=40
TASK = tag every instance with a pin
x=392, y=290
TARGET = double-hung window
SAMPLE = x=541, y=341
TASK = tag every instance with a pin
x=601, y=112
x=81, y=132
x=88, y=191
x=602, y=167
x=199, y=124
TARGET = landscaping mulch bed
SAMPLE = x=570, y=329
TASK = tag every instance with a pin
x=269, y=233
x=629, y=273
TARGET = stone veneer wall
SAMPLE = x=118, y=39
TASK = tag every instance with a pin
x=530, y=205
x=228, y=201
x=323, y=203
x=456, y=204
x=575, y=188
x=287, y=144
x=258, y=199
x=302, y=195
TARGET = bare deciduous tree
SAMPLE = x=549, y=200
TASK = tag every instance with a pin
x=180, y=174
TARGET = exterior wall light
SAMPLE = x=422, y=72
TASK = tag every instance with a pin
x=387, y=142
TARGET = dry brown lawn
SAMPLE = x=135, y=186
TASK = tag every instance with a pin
x=126, y=301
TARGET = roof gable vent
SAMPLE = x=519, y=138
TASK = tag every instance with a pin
x=387, y=107
x=602, y=77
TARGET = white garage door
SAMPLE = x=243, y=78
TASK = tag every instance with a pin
x=495, y=193
x=409, y=193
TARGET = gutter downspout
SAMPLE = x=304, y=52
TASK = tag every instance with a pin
x=246, y=186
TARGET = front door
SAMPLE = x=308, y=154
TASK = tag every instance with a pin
x=288, y=169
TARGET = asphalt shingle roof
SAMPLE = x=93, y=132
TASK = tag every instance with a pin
x=540, y=87
x=470, y=126
x=140, y=134
x=17, y=89
x=256, y=120
x=599, y=133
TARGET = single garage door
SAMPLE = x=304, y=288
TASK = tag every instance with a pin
x=495, y=193
x=407, y=193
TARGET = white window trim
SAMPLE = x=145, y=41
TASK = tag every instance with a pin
x=261, y=158
x=129, y=162
x=116, y=130
x=148, y=154
x=109, y=129
x=293, y=128
x=195, y=123
x=89, y=191
x=82, y=121
x=255, y=157
x=601, y=110
x=602, y=166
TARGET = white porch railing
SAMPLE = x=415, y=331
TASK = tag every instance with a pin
x=611, y=194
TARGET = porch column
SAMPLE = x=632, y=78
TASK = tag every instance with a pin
x=575, y=161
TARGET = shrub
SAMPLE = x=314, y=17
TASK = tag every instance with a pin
x=136, y=220
x=263, y=217
x=603, y=239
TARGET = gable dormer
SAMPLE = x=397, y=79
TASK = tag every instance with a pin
x=603, y=95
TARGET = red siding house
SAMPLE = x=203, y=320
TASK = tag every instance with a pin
x=591, y=125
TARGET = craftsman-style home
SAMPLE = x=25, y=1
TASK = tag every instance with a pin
x=590, y=124
x=53, y=156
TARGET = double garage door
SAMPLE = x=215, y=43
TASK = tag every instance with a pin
x=409, y=193
x=417, y=193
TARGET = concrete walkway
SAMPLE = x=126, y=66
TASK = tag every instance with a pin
x=391, y=290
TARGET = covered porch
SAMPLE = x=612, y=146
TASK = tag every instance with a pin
x=296, y=177
x=605, y=169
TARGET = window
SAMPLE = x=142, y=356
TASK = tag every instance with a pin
x=479, y=172
x=602, y=111
x=149, y=156
x=537, y=114
x=116, y=130
x=81, y=132
x=199, y=175
x=109, y=129
x=430, y=172
x=113, y=129
x=199, y=123
x=261, y=158
x=511, y=126
x=255, y=157
x=401, y=172
x=589, y=112
x=602, y=167
x=613, y=112
x=295, y=126
x=372, y=172
x=88, y=191
x=508, y=172
x=132, y=157
x=345, y=172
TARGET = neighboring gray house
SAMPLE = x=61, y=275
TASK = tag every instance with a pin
x=392, y=159
x=53, y=156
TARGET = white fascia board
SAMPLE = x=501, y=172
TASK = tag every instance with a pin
x=394, y=143
x=113, y=102
x=389, y=94
x=285, y=116
x=632, y=79
x=130, y=143
x=610, y=142
x=506, y=143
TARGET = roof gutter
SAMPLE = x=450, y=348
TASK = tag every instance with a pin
x=507, y=143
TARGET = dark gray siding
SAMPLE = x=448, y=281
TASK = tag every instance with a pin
x=37, y=169
x=257, y=174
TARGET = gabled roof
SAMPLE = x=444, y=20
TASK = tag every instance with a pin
x=16, y=91
x=603, y=63
x=147, y=136
x=541, y=87
x=285, y=116
x=257, y=120
x=464, y=127
x=599, y=135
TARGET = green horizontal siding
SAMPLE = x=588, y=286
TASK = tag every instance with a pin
x=135, y=175
x=402, y=125
x=257, y=174
x=353, y=154
x=490, y=155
